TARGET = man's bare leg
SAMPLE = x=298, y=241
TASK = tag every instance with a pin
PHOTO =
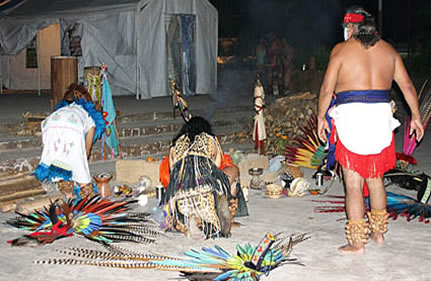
x=232, y=172
x=354, y=207
x=377, y=202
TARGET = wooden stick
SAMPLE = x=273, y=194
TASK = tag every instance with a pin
x=118, y=135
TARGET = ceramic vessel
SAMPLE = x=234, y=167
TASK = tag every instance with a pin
x=102, y=182
x=256, y=182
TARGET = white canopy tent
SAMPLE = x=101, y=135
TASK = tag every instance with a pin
x=130, y=36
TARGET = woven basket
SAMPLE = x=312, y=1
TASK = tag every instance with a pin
x=273, y=191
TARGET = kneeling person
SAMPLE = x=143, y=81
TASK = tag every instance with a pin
x=199, y=198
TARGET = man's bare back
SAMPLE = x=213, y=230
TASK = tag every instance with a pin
x=352, y=66
x=364, y=68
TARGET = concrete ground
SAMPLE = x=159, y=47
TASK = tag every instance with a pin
x=405, y=255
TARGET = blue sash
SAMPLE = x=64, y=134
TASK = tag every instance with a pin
x=360, y=96
x=363, y=96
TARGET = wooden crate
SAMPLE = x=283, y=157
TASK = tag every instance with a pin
x=129, y=171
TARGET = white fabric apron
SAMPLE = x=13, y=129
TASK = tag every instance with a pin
x=364, y=128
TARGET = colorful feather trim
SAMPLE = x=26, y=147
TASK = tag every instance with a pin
x=45, y=173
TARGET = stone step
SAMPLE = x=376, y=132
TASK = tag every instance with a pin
x=141, y=135
x=24, y=160
x=156, y=144
x=9, y=128
x=156, y=122
x=139, y=130
x=128, y=131
x=11, y=143
x=166, y=116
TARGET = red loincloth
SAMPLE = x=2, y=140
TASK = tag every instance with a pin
x=367, y=166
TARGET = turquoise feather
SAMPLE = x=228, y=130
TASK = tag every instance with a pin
x=234, y=267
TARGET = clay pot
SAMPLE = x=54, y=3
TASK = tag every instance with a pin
x=102, y=182
x=256, y=182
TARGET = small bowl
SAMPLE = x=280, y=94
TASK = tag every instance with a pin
x=314, y=191
x=255, y=171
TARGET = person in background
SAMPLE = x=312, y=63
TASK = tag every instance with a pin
x=260, y=60
x=287, y=57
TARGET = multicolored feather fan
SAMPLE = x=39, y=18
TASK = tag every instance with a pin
x=249, y=263
x=95, y=218
x=397, y=205
x=409, y=141
x=309, y=152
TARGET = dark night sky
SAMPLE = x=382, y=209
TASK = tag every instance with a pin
x=309, y=23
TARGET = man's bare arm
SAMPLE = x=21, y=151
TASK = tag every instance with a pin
x=326, y=92
x=402, y=78
x=89, y=141
x=171, y=157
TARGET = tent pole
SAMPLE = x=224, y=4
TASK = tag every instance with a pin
x=1, y=75
x=137, y=71
x=38, y=62
x=138, y=57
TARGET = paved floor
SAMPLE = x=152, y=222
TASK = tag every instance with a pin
x=405, y=256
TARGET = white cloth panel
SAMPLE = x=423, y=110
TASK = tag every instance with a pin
x=127, y=35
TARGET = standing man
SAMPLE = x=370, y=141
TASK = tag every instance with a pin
x=360, y=73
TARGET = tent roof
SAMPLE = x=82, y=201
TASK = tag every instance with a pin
x=25, y=9
x=137, y=57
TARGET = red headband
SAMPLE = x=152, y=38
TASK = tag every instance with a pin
x=353, y=18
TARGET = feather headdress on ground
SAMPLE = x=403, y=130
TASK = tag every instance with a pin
x=95, y=218
x=411, y=180
x=249, y=263
x=397, y=205
x=309, y=152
